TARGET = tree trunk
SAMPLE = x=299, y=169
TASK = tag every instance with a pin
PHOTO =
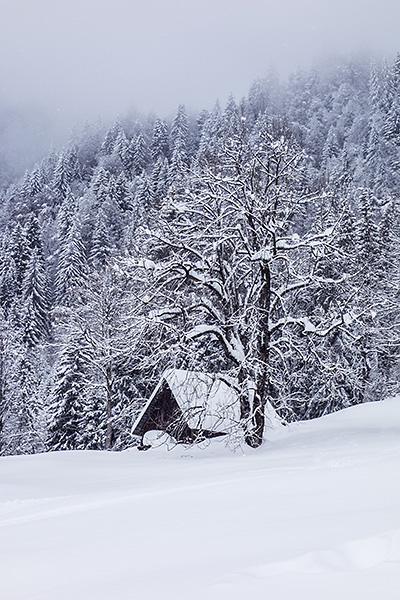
x=109, y=431
x=254, y=437
x=365, y=370
x=255, y=430
x=263, y=342
x=245, y=406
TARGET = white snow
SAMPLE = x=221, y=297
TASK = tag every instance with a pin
x=308, y=326
x=312, y=515
x=206, y=401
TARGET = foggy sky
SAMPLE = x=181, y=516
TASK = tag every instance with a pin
x=83, y=59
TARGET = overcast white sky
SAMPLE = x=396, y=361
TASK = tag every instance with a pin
x=90, y=58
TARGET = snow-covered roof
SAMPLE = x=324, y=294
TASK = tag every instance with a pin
x=207, y=401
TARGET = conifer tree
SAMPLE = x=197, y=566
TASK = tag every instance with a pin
x=159, y=147
x=100, y=184
x=18, y=251
x=8, y=284
x=35, y=301
x=368, y=236
x=7, y=361
x=108, y=144
x=72, y=263
x=100, y=249
x=158, y=183
x=140, y=157
x=67, y=422
x=122, y=193
x=179, y=137
x=26, y=427
x=63, y=175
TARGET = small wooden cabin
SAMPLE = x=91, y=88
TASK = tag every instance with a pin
x=189, y=405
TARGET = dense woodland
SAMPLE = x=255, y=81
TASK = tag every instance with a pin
x=259, y=240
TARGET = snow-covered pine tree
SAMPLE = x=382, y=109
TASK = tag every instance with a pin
x=179, y=144
x=72, y=264
x=159, y=147
x=35, y=301
x=65, y=172
x=68, y=415
x=25, y=429
x=141, y=155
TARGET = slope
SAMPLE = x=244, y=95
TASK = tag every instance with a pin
x=313, y=514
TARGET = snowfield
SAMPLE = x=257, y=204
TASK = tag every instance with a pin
x=313, y=514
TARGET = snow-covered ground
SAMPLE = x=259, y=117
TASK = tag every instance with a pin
x=313, y=514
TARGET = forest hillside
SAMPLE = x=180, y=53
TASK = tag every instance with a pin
x=258, y=240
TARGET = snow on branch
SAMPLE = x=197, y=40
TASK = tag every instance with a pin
x=309, y=327
x=294, y=242
x=232, y=347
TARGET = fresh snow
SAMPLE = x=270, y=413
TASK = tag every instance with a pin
x=312, y=515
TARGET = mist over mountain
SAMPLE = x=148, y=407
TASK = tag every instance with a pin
x=63, y=64
x=27, y=132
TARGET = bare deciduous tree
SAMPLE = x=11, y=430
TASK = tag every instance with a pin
x=237, y=255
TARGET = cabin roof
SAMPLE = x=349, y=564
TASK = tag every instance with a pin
x=207, y=401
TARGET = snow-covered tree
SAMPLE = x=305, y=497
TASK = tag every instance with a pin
x=238, y=252
x=93, y=391
x=72, y=263
x=140, y=156
x=179, y=143
x=159, y=146
x=35, y=301
x=68, y=408
x=26, y=425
